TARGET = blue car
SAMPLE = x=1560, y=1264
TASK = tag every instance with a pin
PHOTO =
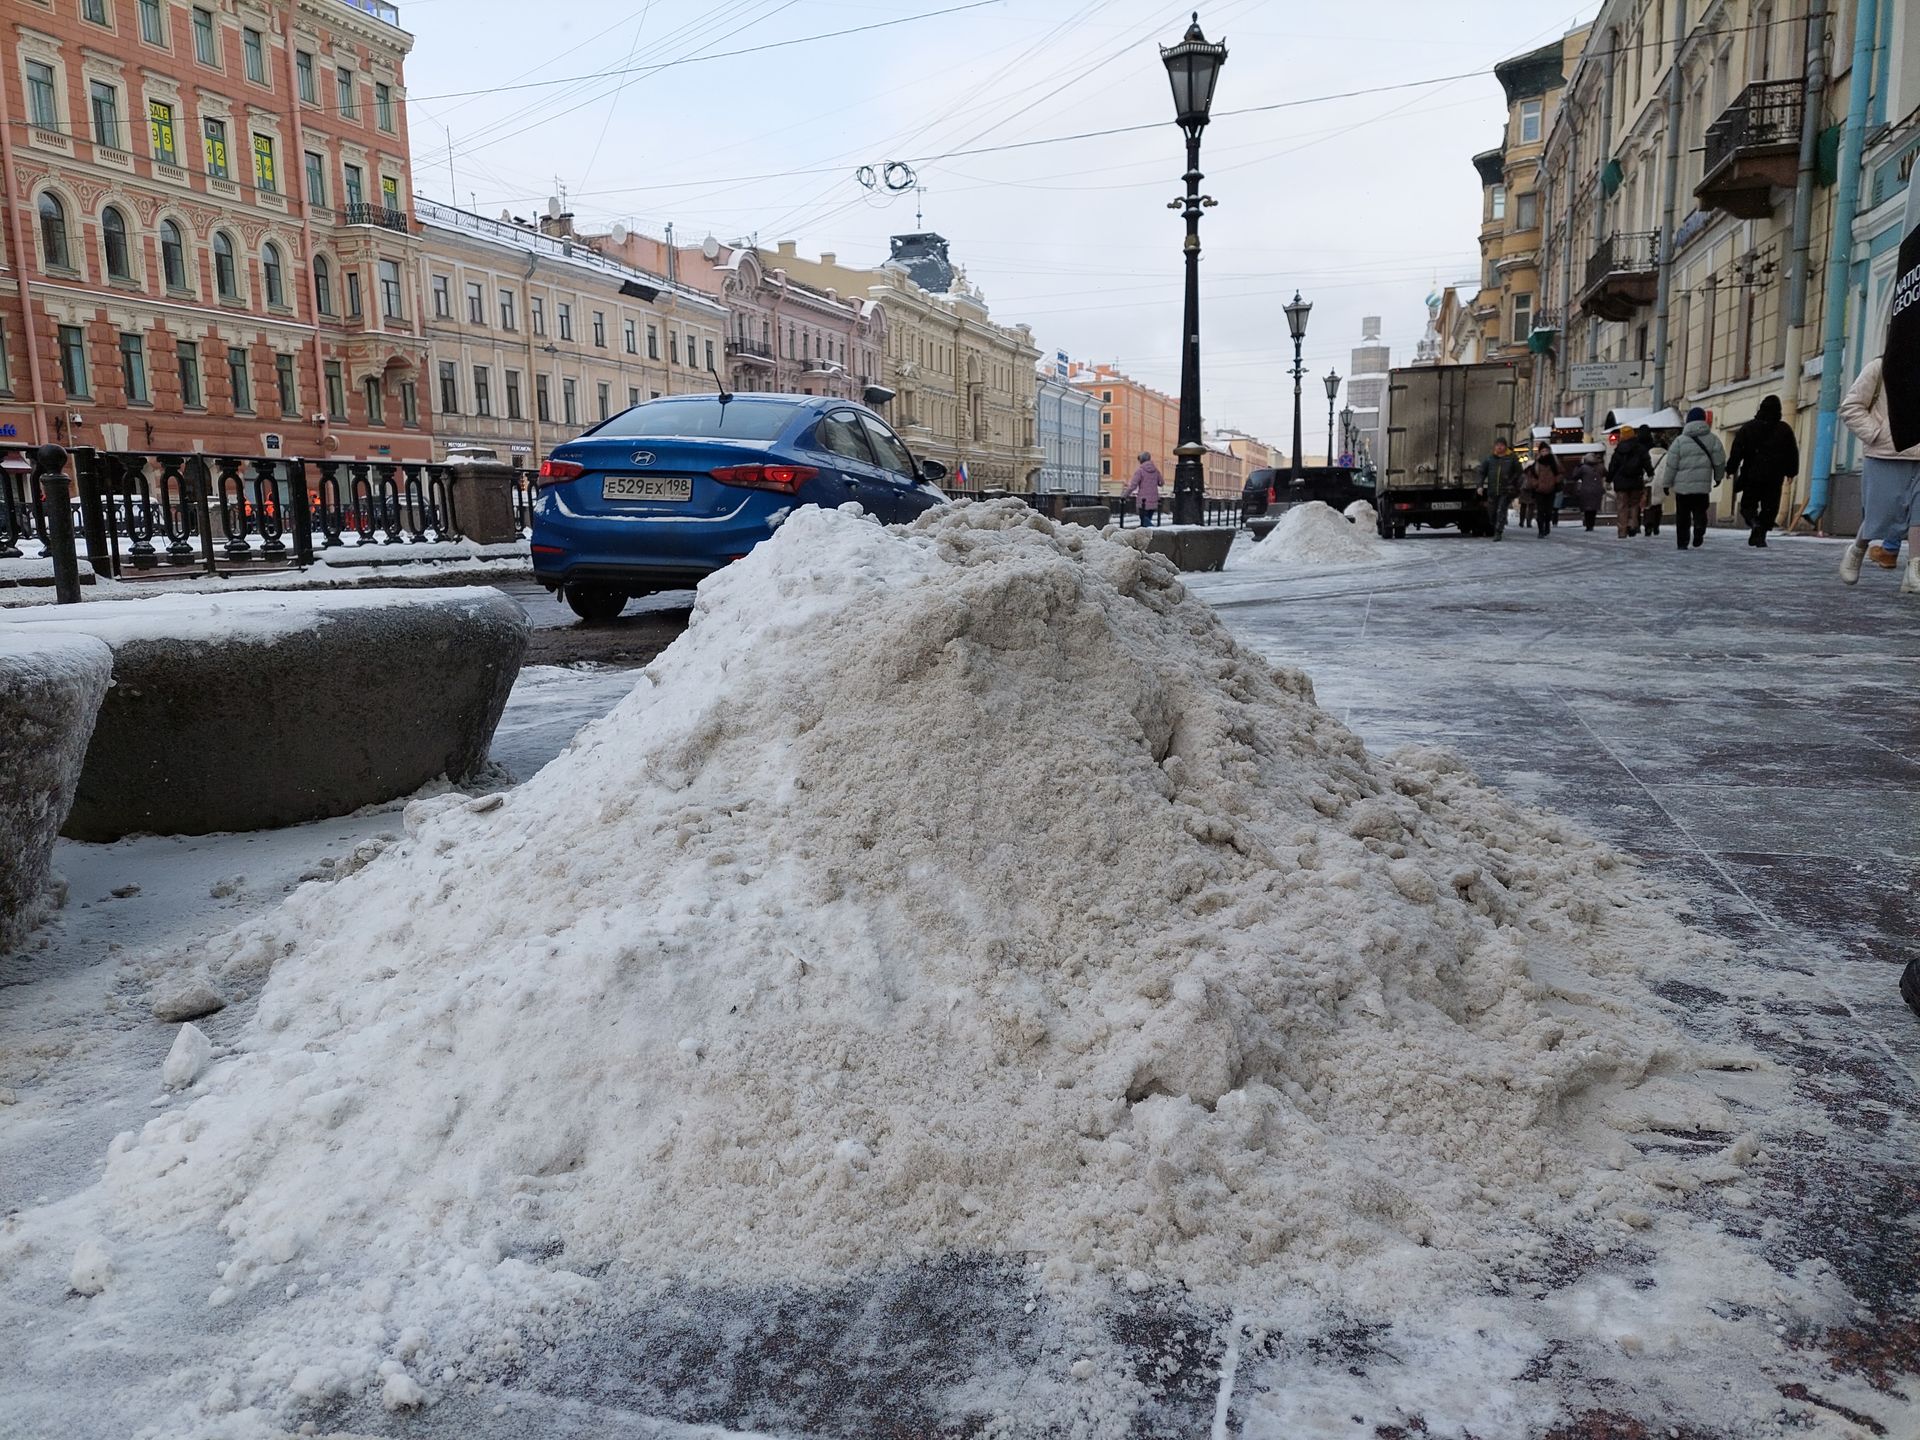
x=662, y=495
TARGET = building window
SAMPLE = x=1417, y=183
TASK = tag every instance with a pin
x=633, y=396
x=285, y=378
x=303, y=77
x=376, y=401
x=710, y=355
x=1522, y=318
x=343, y=84
x=113, y=241
x=152, y=23
x=1498, y=202
x=442, y=303
x=263, y=169
x=603, y=398
x=94, y=10
x=173, y=255
x=356, y=184
x=538, y=309
x=133, y=368
x=383, y=106
x=409, y=404
x=226, y=277
x=392, y=304
x=569, y=404
x=653, y=342
x=449, y=388
x=105, y=101
x=476, y=304
x=390, y=193
x=160, y=131
x=255, y=48
x=336, y=391
x=73, y=363
x=564, y=313
x=353, y=294
x=541, y=407
x=673, y=347
x=203, y=49
x=600, y=328
x=513, y=395
x=509, y=317
x=316, y=179
x=240, y=375
x=1106, y=467
x=482, y=391
x=215, y=144
x=188, y=364
x=322, y=285
x=273, y=276
x=1526, y=211
x=53, y=233
x=631, y=335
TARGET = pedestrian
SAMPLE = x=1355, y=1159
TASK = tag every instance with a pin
x=1764, y=457
x=1694, y=464
x=1543, y=482
x=1889, y=486
x=1146, y=486
x=1499, y=483
x=1627, y=472
x=1588, y=487
x=1655, y=510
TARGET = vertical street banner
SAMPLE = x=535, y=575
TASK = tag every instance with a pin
x=1900, y=364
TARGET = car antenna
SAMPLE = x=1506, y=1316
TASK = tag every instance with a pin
x=720, y=385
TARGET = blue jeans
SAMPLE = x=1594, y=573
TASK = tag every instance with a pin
x=1889, y=500
x=1146, y=515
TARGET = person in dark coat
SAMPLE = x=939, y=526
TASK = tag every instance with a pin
x=1499, y=483
x=1765, y=456
x=1588, y=486
x=1544, y=478
x=1627, y=473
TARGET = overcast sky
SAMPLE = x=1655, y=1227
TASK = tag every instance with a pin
x=1362, y=203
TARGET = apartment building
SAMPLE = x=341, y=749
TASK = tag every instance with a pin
x=533, y=336
x=1067, y=420
x=208, y=244
x=1133, y=418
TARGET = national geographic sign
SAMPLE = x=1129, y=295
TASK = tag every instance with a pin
x=1900, y=369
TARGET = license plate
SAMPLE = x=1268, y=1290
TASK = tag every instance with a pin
x=1446, y=505
x=646, y=487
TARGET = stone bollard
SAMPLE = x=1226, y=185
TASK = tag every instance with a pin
x=1098, y=516
x=50, y=472
x=482, y=492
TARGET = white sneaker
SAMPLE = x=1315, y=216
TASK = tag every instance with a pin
x=1910, y=581
x=1850, y=560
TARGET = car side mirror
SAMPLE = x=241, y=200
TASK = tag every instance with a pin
x=932, y=471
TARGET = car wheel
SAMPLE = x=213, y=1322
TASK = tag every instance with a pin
x=596, y=604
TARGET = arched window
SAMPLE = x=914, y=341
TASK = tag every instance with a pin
x=113, y=239
x=173, y=255
x=53, y=232
x=322, y=285
x=226, y=279
x=271, y=275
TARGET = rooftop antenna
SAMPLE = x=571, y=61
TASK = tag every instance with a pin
x=718, y=383
x=919, y=192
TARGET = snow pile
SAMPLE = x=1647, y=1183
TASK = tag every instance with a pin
x=1317, y=534
x=1361, y=513
x=954, y=887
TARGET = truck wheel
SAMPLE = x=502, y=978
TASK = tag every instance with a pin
x=595, y=604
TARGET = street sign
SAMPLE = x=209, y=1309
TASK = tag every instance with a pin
x=1607, y=375
x=1900, y=363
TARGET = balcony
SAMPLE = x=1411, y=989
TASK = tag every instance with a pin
x=751, y=350
x=360, y=213
x=1753, y=150
x=1622, y=276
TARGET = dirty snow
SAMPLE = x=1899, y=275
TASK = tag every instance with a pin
x=1312, y=534
x=1363, y=515
x=250, y=614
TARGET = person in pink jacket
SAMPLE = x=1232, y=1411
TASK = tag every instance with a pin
x=1146, y=486
x=1889, y=486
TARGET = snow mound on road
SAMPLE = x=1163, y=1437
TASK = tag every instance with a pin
x=960, y=886
x=1363, y=515
x=1317, y=534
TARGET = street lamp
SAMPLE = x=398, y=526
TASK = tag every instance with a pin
x=1297, y=313
x=1333, y=393
x=1346, y=430
x=1193, y=66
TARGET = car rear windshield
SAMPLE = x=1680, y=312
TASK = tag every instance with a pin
x=696, y=416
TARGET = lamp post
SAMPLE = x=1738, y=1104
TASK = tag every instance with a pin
x=1346, y=430
x=1297, y=313
x=1193, y=66
x=1333, y=393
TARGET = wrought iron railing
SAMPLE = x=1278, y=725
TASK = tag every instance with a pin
x=1633, y=253
x=1768, y=113
x=361, y=213
x=750, y=347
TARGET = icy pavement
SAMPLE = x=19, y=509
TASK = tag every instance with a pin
x=1745, y=724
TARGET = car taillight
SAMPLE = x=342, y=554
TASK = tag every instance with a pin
x=785, y=478
x=558, y=472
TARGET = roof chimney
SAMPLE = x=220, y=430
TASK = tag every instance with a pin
x=789, y=249
x=826, y=257
x=560, y=225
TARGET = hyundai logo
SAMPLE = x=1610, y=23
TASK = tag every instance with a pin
x=643, y=457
